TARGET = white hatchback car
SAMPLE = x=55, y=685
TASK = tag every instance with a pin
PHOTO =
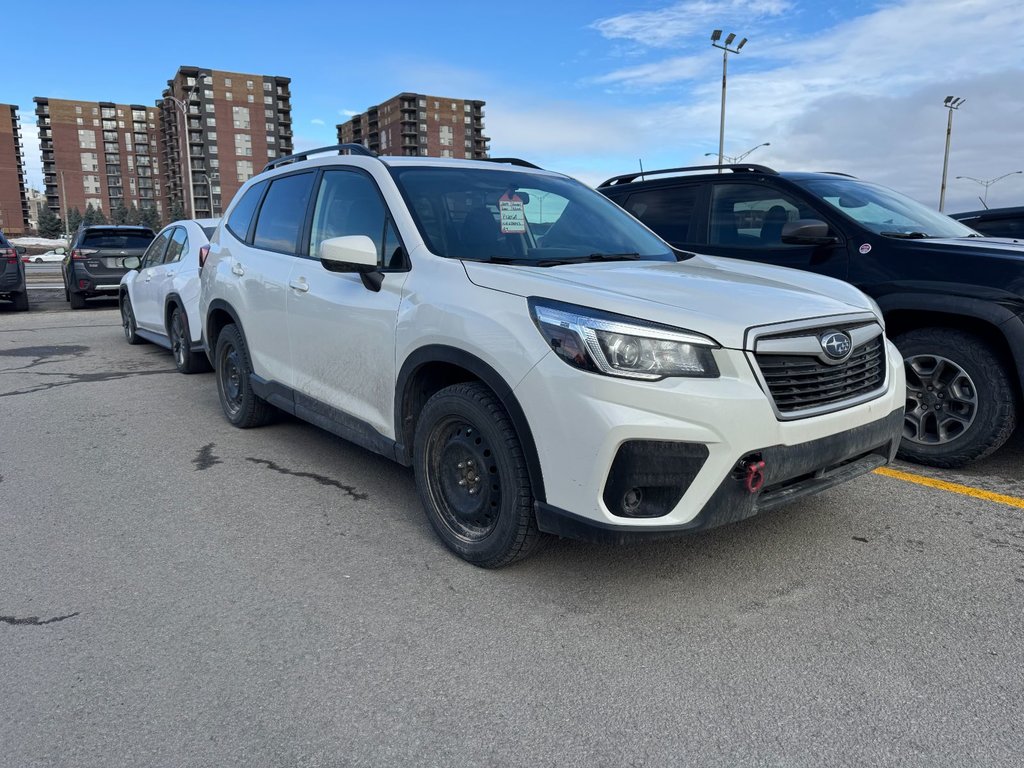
x=543, y=361
x=159, y=296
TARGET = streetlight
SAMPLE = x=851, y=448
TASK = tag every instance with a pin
x=986, y=183
x=738, y=158
x=726, y=50
x=182, y=104
x=950, y=103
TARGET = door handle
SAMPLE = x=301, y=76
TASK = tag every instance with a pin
x=237, y=269
x=299, y=285
x=148, y=278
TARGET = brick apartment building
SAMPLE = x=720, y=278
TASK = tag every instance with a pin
x=417, y=124
x=13, y=203
x=101, y=154
x=235, y=123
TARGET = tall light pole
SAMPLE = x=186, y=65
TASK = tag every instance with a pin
x=986, y=183
x=950, y=103
x=726, y=50
x=182, y=104
x=737, y=158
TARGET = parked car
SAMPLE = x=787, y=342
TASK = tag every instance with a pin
x=56, y=255
x=95, y=264
x=159, y=295
x=584, y=383
x=12, y=275
x=995, y=222
x=953, y=300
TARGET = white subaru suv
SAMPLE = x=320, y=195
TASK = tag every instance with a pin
x=543, y=361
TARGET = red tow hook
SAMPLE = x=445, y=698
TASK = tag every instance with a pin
x=753, y=479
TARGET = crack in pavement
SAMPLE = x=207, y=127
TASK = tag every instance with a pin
x=84, y=378
x=34, y=621
x=349, y=489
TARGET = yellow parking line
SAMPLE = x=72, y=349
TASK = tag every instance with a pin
x=942, y=485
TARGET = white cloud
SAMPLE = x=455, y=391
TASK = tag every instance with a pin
x=655, y=74
x=317, y=121
x=667, y=26
x=347, y=112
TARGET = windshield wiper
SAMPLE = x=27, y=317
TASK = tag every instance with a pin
x=588, y=258
x=498, y=260
x=906, y=235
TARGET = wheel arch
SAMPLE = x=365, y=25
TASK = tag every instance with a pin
x=218, y=315
x=432, y=368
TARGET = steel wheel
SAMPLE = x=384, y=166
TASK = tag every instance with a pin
x=179, y=344
x=229, y=374
x=942, y=400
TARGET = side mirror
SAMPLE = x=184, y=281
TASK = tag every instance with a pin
x=21, y=250
x=352, y=253
x=806, y=232
x=60, y=250
x=132, y=262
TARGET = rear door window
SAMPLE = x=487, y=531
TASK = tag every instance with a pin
x=178, y=246
x=283, y=213
x=671, y=212
x=155, y=254
x=241, y=217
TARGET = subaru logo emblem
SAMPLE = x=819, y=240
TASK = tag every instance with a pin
x=836, y=345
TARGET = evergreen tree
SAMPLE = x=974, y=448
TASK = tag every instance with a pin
x=133, y=217
x=100, y=218
x=177, y=211
x=150, y=218
x=119, y=213
x=50, y=224
x=74, y=221
x=89, y=217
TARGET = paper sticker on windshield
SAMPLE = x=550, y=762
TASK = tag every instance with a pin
x=513, y=217
x=866, y=248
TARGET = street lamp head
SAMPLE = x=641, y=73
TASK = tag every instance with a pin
x=742, y=43
x=730, y=38
x=947, y=100
x=716, y=35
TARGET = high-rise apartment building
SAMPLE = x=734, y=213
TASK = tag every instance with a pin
x=417, y=124
x=233, y=124
x=13, y=203
x=101, y=154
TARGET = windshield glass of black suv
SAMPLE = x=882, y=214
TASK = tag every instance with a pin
x=885, y=211
x=521, y=218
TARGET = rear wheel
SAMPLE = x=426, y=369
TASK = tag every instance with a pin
x=128, y=324
x=241, y=405
x=37, y=261
x=185, y=359
x=960, y=399
x=21, y=302
x=77, y=301
x=472, y=477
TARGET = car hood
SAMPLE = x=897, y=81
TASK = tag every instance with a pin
x=999, y=247
x=717, y=297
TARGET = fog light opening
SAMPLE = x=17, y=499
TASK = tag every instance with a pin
x=753, y=476
x=632, y=501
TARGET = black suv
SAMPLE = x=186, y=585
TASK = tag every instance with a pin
x=95, y=264
x=995, y=222
x=953, y=300
x=12, y=275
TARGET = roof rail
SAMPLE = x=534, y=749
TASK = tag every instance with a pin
x=839, y=173
x=626, y=178
x=352, y=149
x=512, y=161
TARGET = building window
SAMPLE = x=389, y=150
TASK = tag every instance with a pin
x=270, y=127
x=78, y=110
x=91, y=184
x=250, y=98
x=268, y=99
x=240, y=116
x=87, y=139
x=266, y=87
x=89, y=161
x=229, y=96
x=211, y=121
x=271, y=153
x=209, y=107
x=244, y=169
x=446, y=153
x=271, y=139
x=215, y=163
x=211, y=136
x=190, y=81
x=243, y=145
x=248, y=84
x=423, y=102
x=227, y=82
x=80, y=121
x=208, y=93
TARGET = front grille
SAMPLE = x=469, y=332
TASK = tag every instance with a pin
x=799, y=382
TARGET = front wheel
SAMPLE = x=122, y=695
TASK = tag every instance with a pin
x=472, y=477
x=241, y=405
x=185, y=360
x=960, y=399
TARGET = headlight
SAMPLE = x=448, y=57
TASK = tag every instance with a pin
x=615, y=345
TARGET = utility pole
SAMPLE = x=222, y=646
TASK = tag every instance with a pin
x=951, y=103
x=64, y=203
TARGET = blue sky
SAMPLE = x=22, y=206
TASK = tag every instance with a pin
x=591, y=88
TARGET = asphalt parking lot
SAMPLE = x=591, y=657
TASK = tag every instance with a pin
x=174, y=591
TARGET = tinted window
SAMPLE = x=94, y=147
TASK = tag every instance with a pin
x=669, y=212
x=208, y=231
x=999, y=227
x=753, y=215
x=348, y=204
x=283, y=213
x=178, y=246
x=155, y=254
x=241, y=216
x=114, y=239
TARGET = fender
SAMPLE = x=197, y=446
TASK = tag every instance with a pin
x=1009, y=324
x=438, y=353
x=225, y=307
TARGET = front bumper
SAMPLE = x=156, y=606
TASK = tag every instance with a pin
x=580, y=421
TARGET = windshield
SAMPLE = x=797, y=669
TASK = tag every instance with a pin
x=521, y=218
x=883, y=210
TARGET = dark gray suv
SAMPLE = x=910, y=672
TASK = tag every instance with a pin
x=12, y=275
x=95, y=264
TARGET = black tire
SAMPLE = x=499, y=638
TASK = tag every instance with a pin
x=472, y=477
x=37, y=261
x=21, y=302
x=231, y=361
x=128, y=324
x=77, y=301
x=67, y=295
x=185, y=360
x=961, y=401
